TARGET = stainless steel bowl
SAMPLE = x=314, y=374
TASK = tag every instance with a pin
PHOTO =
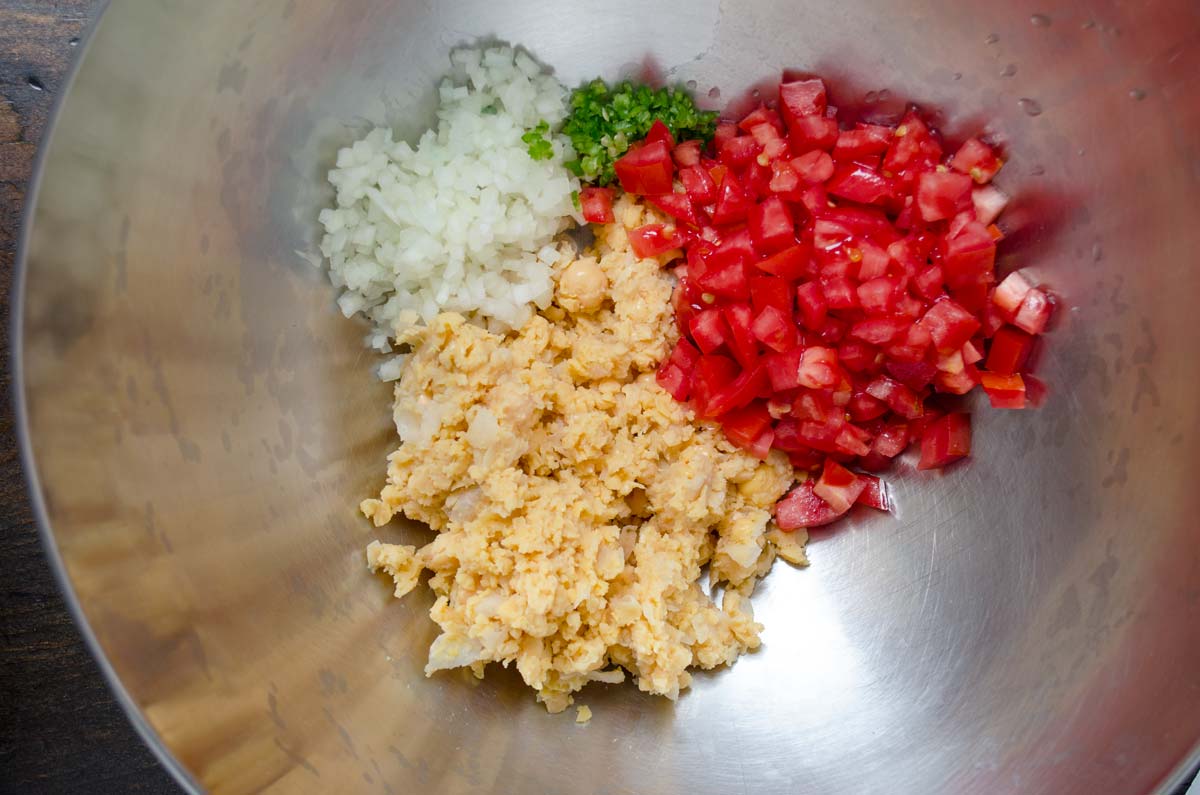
x=200, y=421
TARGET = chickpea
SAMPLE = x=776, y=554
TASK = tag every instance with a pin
x=582, y=286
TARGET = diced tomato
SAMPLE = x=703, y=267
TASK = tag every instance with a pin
x=646, y=170
x=862, y=142
x=811, y=300
x=899, y=398
x=862, y=407
x=771, y=226
x=737, y=394
x=989, y=201
x=740, y=318
x=945, y=440
x=709, y=330
x=687, y=153
x=912, y=147
x=840, y=293
x=739, y=151
x=783, y=369
x=858, y=356
x=733, y=202
x=791, y=263
x=713, y=373
x=878, y=296
x=774, y=145
x=775, y=329
x=801, y=507
x=942, y=194
x=698, y=184
x=916, y=374
x=928, y=283
x=969, y=257
x=957, y=382
x=660, y=132
x=676, y=381
x=1009, y=351
x=684, y=355
x=879, y=331
x=833, y=330
x=1034, y=313
x=815, y=199
x=838, y=486
x=725, y=131
x=819, y=368
x=597, y=205
x=874, y=262
x=1004, y=391
x=677, y=205
x=771, y=291
x=976, y=159
x=892, y=439
x=812, y=132
x=858, y=183
x=1009, y=293
x=801, y=98
x=785, y=181
x=949, y=325
x=813, y=167
x=725, y=280
x=875, y=494
x=654, y=239
x=760, y=115
x=746, y=425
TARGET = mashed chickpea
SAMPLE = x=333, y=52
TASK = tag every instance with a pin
x=576, y=502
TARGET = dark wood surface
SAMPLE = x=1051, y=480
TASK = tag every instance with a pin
x=60, y=730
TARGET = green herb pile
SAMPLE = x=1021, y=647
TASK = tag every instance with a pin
x=604, y=121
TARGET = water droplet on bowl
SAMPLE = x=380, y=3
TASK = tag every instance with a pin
x=884, y=95
x=1097, y=252
x=1091, y=23
x=958, y=75
x=1037, y=171
x=1031, y=106
x=1040, y=20
x=756, y=93
x=1137, y=94
x=714, y=93
x=871, y=98
x=992, y=38
x=691, y=84
x=36, y=84
x=1009, y=70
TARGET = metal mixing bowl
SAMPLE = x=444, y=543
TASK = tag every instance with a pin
x=200, y=421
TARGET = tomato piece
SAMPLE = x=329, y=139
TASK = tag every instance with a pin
x=646, y=170
x=811, y=132
x=878, y=296
x=745, y=426
x=771, y=226
x=783, y=369
x=945, y=440
x=862, y=142
x=858, y=183
x=928, y=283
x=976, y=159
x=596, y=204
x=912, y=147
x=811, y=300
x=738, y=151
x=740, y=318
x=813, y=167
x=743, y=389
x=840, y=293
x=785, y=181
x=949, y=325
x=698, y=184
x=725, y=131
x=1009, y=351
x=819, y=368
x=774, y=145
x=733, y=202
x=802, y=98
x=674, y=380
x=879, y=331
x=677, y=205
x=899, y=397
x=708, y=330
x=988, y=201
x=1009, y=293
x=941, y=195
x=1003, y=392
x=874, y=262
x=687, y=153
x=875, y=494
x=838, y=486
x=858, y=356
x=713, y=373
x=651, y=240
x=791, y=263
x=1034, y=313
x=659, y=131
x=771, y=291
x=684, y=355
x=959, y=382
x=760, y=115
x=801, y=507
x=725, y=281
x=775, y=329
x=969, y=257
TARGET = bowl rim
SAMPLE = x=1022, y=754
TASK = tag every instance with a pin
x=1184, y=771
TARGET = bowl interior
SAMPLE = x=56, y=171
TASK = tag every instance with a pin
x=202, y=422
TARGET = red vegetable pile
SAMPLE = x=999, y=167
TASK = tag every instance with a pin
x=836, y=281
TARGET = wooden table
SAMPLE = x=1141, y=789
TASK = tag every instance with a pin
x=60, y=730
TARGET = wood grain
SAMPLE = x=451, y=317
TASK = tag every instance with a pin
x=60, y=730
